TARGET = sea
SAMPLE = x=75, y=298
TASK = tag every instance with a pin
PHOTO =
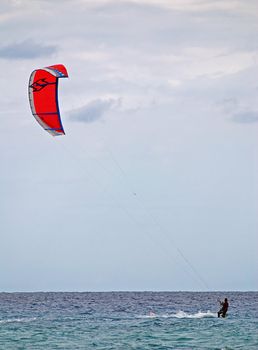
x=128, y=321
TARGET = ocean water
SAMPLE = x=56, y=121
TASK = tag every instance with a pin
x=127, y=320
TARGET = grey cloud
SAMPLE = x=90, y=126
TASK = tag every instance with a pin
x=25, y=50
x=245, y=117
x=92, y=111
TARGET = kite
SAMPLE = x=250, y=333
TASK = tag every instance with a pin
x=43, y=97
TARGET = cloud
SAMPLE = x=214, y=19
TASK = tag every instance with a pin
x=182, y=5
x=92, y=111
x=245, y=117
x=26, y=49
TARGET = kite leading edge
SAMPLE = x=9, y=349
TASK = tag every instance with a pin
x=43, y=97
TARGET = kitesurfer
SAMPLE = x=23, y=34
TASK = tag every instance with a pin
x=224, y=308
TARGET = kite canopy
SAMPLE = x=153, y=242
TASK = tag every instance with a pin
x=43, y=97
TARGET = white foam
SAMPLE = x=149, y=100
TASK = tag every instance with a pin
x=14, y=320
x=199, y=314
x=182, y=314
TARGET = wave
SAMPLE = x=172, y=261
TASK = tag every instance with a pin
x=14, y=320
x=182, y=314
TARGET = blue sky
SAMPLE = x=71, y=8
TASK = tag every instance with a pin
x=154, y=186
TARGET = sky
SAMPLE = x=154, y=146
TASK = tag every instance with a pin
x=154, y=185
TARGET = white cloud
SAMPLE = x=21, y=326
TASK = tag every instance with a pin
x=186, y=5
x=202, y=5
x=206, y=62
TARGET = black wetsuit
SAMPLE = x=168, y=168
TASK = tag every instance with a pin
x=224, y=309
